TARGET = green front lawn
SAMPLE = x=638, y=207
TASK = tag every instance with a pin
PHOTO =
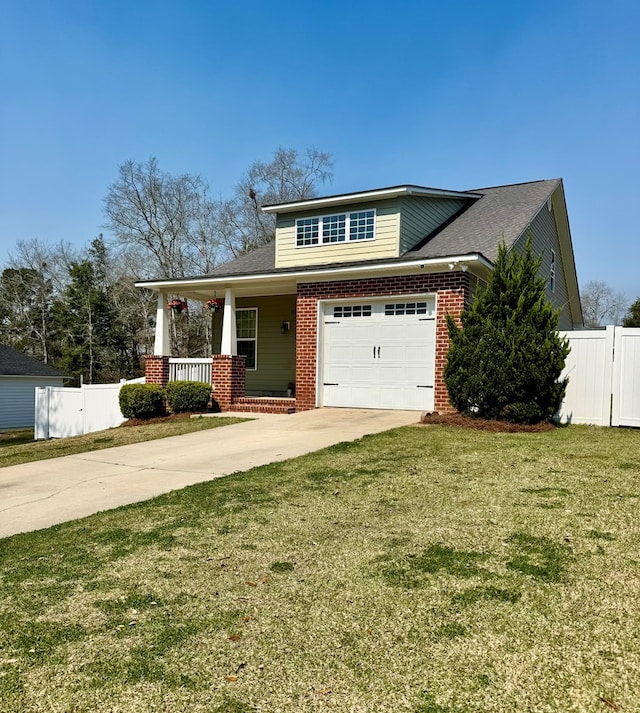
x=427, y=569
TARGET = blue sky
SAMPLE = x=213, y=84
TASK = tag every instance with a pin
x=452, y=95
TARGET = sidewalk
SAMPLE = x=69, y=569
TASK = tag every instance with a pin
x=44, y=493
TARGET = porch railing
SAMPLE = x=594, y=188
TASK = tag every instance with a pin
x=190, y=370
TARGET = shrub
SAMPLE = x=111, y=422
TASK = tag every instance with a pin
x=141, y=400
x=188, y=395
x=505, y=362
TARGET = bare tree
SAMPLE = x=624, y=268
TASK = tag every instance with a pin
x=601, y=305
x=170, y=217
x=289, y=176
x=35, y=273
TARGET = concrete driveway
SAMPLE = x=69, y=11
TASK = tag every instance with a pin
x=41, y=494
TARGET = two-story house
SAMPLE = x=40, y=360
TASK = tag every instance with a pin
x=347, y=306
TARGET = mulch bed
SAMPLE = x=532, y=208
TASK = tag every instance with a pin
x=158, y=419
x=481, y=424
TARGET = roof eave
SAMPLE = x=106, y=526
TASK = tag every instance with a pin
x=201, y=288
x=367, y=196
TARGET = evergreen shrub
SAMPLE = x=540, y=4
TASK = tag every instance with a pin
x=185, y=396
x=504, y=363
x=141, y=400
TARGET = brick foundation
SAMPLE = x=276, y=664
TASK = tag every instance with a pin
x=452, y=289
x=228, y=379
x=156, y=369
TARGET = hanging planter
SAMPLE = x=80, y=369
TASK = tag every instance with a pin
x=177, y=305
x=213, y=304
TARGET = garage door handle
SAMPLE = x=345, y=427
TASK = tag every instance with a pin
x=423, y=386
x=328, y=384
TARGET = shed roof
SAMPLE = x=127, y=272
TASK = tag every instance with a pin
x=14, y=363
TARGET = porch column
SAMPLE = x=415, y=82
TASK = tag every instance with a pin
x=229, y=343
x=161, y=344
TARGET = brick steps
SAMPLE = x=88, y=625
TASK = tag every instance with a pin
x=262, y=404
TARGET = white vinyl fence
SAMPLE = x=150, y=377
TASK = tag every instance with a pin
x=604, y=377
x=62, y=412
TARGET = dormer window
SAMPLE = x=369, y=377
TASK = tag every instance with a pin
x=339, y=228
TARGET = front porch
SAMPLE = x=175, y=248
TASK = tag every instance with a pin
x=253, y=363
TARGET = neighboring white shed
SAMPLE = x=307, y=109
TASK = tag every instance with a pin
x=19, y=376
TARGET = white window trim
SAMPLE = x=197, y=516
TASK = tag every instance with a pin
x=322, y=242
x=552, y=272
x=250, y=339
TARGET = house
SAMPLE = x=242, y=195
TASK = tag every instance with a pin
x=349, y=302
x=19, y=376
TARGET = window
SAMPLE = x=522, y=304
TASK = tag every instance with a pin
x=552, y=272
x=247, y=335
x=361, y=225
x=352, y=311
x=307, y=232
x=333, y=228
x=399, y=309
x=339, y=228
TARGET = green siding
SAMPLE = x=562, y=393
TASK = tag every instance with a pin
x=276, y=352
x=420, y=216
x=545, y=239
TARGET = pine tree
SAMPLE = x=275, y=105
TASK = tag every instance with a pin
x=632, y=318
x=505, y=361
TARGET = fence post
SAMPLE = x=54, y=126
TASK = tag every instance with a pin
x=610, y=372
x=41, y=427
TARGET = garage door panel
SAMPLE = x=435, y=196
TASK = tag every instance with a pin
x=355, y=375
x=336, y=396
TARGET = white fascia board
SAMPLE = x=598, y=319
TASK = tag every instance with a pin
x=445, y=263
x=377, y=195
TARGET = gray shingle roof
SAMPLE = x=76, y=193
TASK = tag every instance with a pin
x=261, y=259
x=502, y=214
x=13, y=363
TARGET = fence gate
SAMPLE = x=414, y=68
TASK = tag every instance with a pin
x=604, y=377
x=626, y=378
x=64, y=411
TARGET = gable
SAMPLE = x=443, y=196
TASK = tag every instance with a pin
x=370, y=230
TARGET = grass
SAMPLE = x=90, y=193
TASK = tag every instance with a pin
x=429, y=570
x=19, y=447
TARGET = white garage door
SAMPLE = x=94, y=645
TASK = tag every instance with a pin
x=379, y=354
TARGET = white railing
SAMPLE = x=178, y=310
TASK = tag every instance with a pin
x=190, y=370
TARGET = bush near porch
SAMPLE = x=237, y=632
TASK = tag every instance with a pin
x=183, y=396
x=428, y=569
